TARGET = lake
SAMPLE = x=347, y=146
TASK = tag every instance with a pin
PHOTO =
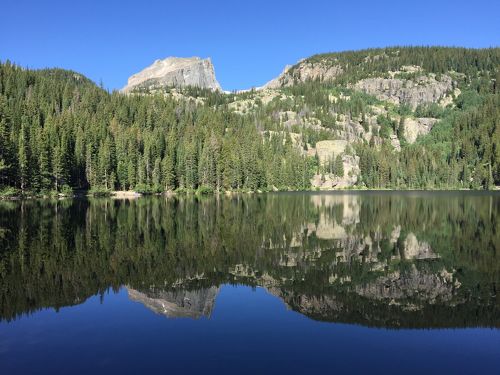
x=348, y=282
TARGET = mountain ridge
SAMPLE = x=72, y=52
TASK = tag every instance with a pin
x=401, y=118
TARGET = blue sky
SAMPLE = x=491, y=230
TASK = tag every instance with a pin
x=249, y=42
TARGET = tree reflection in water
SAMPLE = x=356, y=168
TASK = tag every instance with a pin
x=377, y=259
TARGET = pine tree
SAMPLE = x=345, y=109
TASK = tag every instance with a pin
x=62, y=164
x=90, y=168
x=44, y=163
x=131, y=174
x=209, y=159
x=122, y=174
x=23, y=157
x=6, y=147
x=106, y=161
x=191, y=165
x=157, y=175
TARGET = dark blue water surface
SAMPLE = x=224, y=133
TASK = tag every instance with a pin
x=280, y=283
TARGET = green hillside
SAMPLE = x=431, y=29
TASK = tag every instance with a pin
x=402, y=117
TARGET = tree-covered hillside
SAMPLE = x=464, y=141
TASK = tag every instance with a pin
x=61, y=132
x=365, y=63
x=405, y=117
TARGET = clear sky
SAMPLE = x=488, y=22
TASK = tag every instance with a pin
x=249, y=41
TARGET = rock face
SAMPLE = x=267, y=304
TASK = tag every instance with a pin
x=177, y=72
x=327, y=151
x=282, y=80
x=425, y=89
x=304, y=71
x=178, y=304
x=415, y=127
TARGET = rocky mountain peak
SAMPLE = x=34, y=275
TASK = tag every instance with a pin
x=177, y=72
x=303, y=71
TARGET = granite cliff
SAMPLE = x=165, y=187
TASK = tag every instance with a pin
x=304, y=71
x=175, y=72
x=413, y=92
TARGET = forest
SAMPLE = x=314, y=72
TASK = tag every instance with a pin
x=61, y=133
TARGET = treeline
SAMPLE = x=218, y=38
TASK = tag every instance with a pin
x=59, y=132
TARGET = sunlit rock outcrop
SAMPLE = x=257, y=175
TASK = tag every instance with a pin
x=327, y=152
x=413, y=128
x=175, y=72
x=424, y=89
x=305, y=71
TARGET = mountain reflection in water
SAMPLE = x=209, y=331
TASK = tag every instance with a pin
x=419, y=260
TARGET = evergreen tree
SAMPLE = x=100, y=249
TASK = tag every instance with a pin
x=6, y=147
x=23, y=157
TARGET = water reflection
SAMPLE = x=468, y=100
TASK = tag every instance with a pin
x=177, y=303
x=377, y=259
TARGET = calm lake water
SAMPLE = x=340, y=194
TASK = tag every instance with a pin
x=361, y=283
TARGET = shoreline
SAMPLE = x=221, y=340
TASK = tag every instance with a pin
x=131, y=194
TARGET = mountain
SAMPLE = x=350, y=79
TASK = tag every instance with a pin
x=177, y=72
x=385, y=98
x=351, y=66
x=398, y=117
